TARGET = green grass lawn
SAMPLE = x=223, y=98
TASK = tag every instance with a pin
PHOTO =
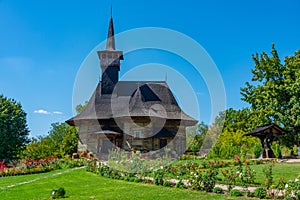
x=12, y=180
x=289, y=171
x=80, y=184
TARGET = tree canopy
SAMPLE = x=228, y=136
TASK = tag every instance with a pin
x=60, y=142
x=274, y=94
x=13, y=129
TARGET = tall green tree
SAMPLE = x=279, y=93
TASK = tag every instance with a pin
x=80, y=107
x=195, y=136
x=274, y=94
x=13, y=129
x=236, y=120
x=61, y=141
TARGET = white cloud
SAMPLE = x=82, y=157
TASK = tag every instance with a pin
x=57, y=113
x=41, y=111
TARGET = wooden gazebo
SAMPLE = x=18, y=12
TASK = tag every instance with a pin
x=267, y=134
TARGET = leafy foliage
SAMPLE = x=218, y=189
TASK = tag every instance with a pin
x=260, y=193
x=60, y=193
x=61, y=141
x=236, y=193
x=195, y=136
x=13, y=129
x=232, y=143
x=80, y=107
x=274, y=95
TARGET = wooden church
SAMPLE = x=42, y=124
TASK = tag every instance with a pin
x=131, y=115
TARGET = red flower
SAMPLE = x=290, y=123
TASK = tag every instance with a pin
x=35, y=162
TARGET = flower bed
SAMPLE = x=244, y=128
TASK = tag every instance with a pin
x=30, y=166
x=201, y=176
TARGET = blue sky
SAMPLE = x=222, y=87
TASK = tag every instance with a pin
x=43, y=44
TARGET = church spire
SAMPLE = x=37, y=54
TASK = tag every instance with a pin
x=110, y=62
x=110, y=43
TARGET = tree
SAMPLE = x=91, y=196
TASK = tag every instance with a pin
x=274, y=95
x=60, y=142
x=13, y=129
x=69, y=142
x=238, y=120
x=80, y=107
x=195, y=136
x=230, y=127
x=232, y=143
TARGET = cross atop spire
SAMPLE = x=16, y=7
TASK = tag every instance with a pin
x=110, y=43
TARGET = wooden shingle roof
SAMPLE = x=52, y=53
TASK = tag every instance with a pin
x=134, y=99
x=269, y=128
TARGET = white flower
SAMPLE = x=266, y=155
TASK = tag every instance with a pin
x=296, y=180
x=286, y=186
x=161, y=167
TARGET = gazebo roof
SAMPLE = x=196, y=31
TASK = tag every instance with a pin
x=266, y=129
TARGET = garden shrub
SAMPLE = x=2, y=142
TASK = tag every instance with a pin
x=218, y=190
x=158, y=177
x=179, y=185
x=166, y=183
x=132, y=179
x=230, y=176
x=298, y=196
x=268, y=172
x=276, y=149
x=260, y=193
x=60, y=193
x=236, y=193
x=292, y=188
x=210, y=177
x=137, y=180
x=257, y=150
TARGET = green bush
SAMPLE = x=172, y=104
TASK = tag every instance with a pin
x=236, y=193
x=260, y=193
x=298, y=195
x=158, y=177
x=60, y=193
x=276, y=149
x=210, y=177
x=218, y=190
x=179, y=185
x=257, y=150
x=137, y=180
x=166, y=183
x=131, y=179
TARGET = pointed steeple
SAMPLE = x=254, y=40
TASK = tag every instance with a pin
x=110, y=62
x=110, y=43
